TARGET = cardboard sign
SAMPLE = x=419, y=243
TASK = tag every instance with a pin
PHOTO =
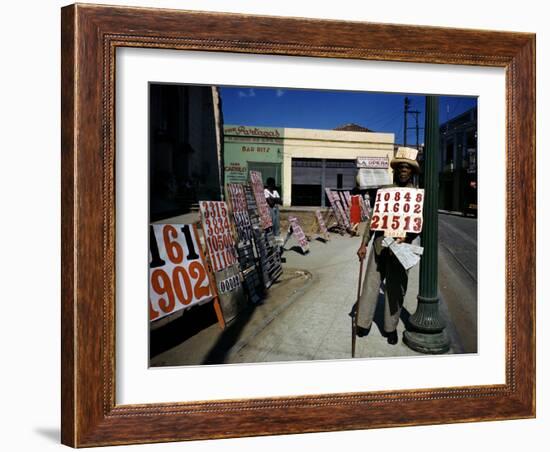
x=406, y=153
x=217, y=234
x=339, y=210
x=398, y=211
x=322, y=225
x=240, y=211
x=298, y=232
x=365, y=207
x=178, y=276
x=258, y=190
x=373, y=177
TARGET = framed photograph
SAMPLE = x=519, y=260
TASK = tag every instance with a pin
x=267, y=222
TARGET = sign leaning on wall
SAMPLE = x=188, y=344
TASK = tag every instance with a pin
x=178, y=276
x=398, y=211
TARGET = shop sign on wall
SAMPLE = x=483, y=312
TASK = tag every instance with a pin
x=373, y=162
x=178, y=278
x=398, y=211
x=235, y=172
x=373, y=177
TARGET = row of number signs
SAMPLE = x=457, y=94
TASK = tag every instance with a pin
x=178, y=273
x=178, y=276
x=398, y=211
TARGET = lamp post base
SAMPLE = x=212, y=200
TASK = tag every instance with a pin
x=429, y=343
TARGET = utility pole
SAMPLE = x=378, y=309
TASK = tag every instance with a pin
x=416, y=113
x=427, y=334
x=407, y=112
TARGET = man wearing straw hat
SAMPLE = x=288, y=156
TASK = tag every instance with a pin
x=389, y=270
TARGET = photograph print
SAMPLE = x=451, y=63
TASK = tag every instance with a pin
x=301, y=225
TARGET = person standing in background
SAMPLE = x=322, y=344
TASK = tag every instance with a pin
x=273, y=201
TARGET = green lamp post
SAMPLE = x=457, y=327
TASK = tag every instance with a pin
x=427, y=333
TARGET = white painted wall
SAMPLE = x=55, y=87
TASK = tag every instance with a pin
x=331, y=144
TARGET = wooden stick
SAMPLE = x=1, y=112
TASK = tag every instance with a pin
x=207, y=262
x=356, y=313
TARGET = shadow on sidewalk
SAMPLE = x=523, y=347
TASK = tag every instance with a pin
x=179, y=330
x=229, y=337
x=378, y=318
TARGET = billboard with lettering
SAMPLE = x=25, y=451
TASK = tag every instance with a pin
x=244, y=144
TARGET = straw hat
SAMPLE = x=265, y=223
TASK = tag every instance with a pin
x=406, y=155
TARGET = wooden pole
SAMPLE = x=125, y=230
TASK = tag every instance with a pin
x=354, y=318
x=210, y=270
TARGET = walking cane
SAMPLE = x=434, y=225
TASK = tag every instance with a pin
x=354, y=318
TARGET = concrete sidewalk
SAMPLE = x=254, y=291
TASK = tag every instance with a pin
x=318, y=325
x=305, y=316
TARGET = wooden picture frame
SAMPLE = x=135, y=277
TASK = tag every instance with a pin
x=90, y=36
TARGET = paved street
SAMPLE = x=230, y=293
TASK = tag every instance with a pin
x=306, y=315
x=458, y=277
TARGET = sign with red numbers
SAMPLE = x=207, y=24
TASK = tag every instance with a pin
x=321, y=223
x=298, y=233
x=258, y=190
x=177, y=271
x=217, y=234
x=239, y=209
x=398, y=211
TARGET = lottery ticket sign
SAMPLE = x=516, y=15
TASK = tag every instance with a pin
x=321, y=223
x=239, y=210
x=339, y=211
x=229, y=284
x=258, y=190
x=217, y=234
x=398, y=211
x=178, y=276
x=298, y=232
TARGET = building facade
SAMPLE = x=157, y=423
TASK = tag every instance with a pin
x=458, y=163
x=184, y=148
x=303, y=162
x=252, y=149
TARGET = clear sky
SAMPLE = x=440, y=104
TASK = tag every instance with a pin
x=316, y=109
